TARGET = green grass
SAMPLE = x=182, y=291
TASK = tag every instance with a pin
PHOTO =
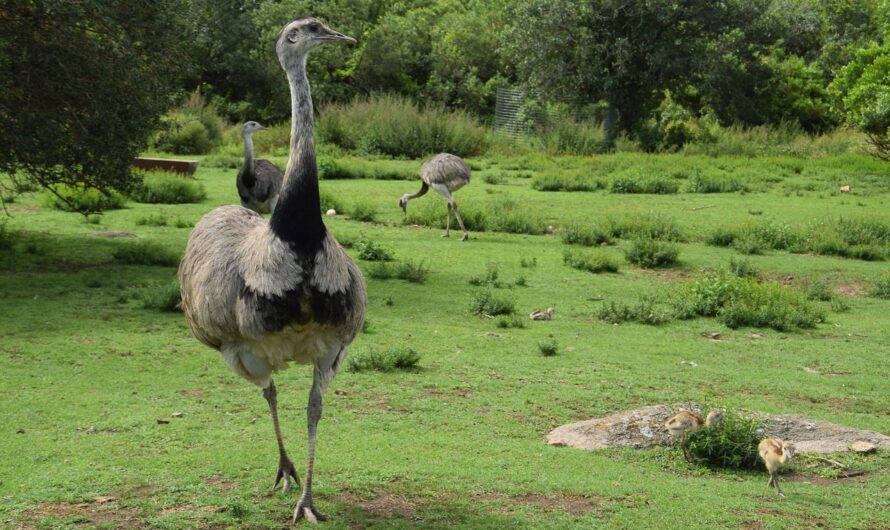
x=86, y=371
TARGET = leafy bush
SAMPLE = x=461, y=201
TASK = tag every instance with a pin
x=721, y=237
x=146, y=253
x=370, y=250
x=631, y=181
x=165, y=298
x=549, y=347
x=192, y=129
x=595, y=262
x=817, y=290
x=576, y=234
x=650, y=226
x=390, y=360
x=159, y=187
x=381, y=270
x=748, y=244
x=881, y=288
x=732, y=443
x=651, y=253
x=71, y=199
x=567, y=182
x=486, y=302
x=741, y=302
x=363, y=211
x=742, y=268
x=413, y=272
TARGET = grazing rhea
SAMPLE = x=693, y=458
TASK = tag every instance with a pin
x=542, y=314
x=445, y=173
x=259, y=181
x=268, y=293
x=775, y=453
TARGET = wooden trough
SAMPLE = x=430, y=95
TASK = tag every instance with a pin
x=185, y=167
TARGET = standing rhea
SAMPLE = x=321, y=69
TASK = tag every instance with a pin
x=268, y=293
x=259, y=181
x=444, y=173
x=775, y=453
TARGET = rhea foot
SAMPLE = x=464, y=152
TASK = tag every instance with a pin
x=466, y=236
x=286, y=470
x=306, y=509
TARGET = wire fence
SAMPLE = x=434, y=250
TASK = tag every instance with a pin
x=518, y=114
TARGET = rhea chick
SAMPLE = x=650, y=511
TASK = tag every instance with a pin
x=542, y=314
x=775, y=453
x=682, y=422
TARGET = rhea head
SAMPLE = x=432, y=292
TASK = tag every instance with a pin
x=249, y=127
x=303, y=34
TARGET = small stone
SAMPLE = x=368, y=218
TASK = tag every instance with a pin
x=862, y=447
x=341, y=392
x=103, y=499
x=20, y=431
x=90, y=430
x=845, y=188
x=331, y=212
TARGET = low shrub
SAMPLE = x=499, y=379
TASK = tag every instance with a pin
x=363, y=211
x=508, y=215
x=164, y=298
x=817, y=290
x=632, y=181
x=567, y=182
x=721, y=237
x=391, y=360
x=487, y=303
x=748, y=244
x=83, y=200
x=644, y=311
x=576, y=234
x=595, y=262
x=732, y=443
x=160, y=187
x=370, y=250
x=489, y=278
x=146, y=253
x=741, y=302
x=651, y=253
x=742, y=268
x=152, y=220
x=712, y=184
x=649, y=226
x=413, y=272
x=549, y=347
x=381, y=270
x=529, y=263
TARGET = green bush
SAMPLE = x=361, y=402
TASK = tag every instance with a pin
x=164, y=298
x=512, y=322
x=71, y=199
x=817, y=290
x=413, y=272
x=568, y=136
x=370, y=250
x=732, y=443
x=649, y=226
x=146, y=253
x=190, y=138
x=721, y=237
x=490, y=278
x=152, y=220
x=738, y=302
x=549, y=347
x=393, y=359
x=749, y=244
x=742, y=268
x=712, y=184
x=881, y=288
x=595, y=262
x=589, y=236
x=645, y=312
x=160, y=187
x=567, y=182
x=651, y=253
x=632, y=181
x=363, y=211
x=381, y=270
x=488, y=303
x=508, y=215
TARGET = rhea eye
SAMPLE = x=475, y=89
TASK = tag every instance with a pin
x=313, y=27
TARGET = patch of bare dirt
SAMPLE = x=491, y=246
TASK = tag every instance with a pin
x=192, y=393
x=666, y=274
x=560, y=502
x=458, y=391
x=851, y=288
x=22, y=208
x=383, y=505
x=812, y=521
x=854, y=476
x=218, y=481
x=88, y=513
x=644, y=427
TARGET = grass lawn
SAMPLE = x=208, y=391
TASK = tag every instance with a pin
x=87, y=370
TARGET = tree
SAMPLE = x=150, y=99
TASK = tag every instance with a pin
x=82, y=85
x=862, y=93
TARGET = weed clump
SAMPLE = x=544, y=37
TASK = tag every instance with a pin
x=146, y=253
x=152, y=220
x=84, y=200
x=487, y=303
x=651, y=253
x=631, y=181
x=650, y=226
x=731, y=443
x=410, y=271
x=881, y=288
x=743, y=268
x=549, y=347
x=364, y=212
x=575, y=234
x=489, y=279
x=595, y=262
x=645, y=312
x=390, y=360
x=164, y=298
x=512, y=322
x=370, y=250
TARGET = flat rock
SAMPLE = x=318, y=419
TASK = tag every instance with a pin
x=644, y=427
x=860, y=446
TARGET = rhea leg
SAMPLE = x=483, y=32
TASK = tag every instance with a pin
x=459, y=220
x=322, y=375
x=285, y=466
x=776, y=482
x=447, y=222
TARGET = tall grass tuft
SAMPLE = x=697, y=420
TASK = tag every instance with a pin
x=164, y=298
x=86, y=200
x=488, y=303
x=881, y=288
x=394, y=126
x=595, y=262
x=370, y=250
x=391, y=360
x=649, y=226
x=651, y=253
x=589, y=236
x=146, y=253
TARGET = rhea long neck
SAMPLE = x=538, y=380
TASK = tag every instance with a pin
x=297, y=216
x=248, y=174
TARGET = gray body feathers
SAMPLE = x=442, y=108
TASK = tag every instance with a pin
x=447, y=170
x=259, y=183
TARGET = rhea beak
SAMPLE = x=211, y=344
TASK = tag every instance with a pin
x=337, y=36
